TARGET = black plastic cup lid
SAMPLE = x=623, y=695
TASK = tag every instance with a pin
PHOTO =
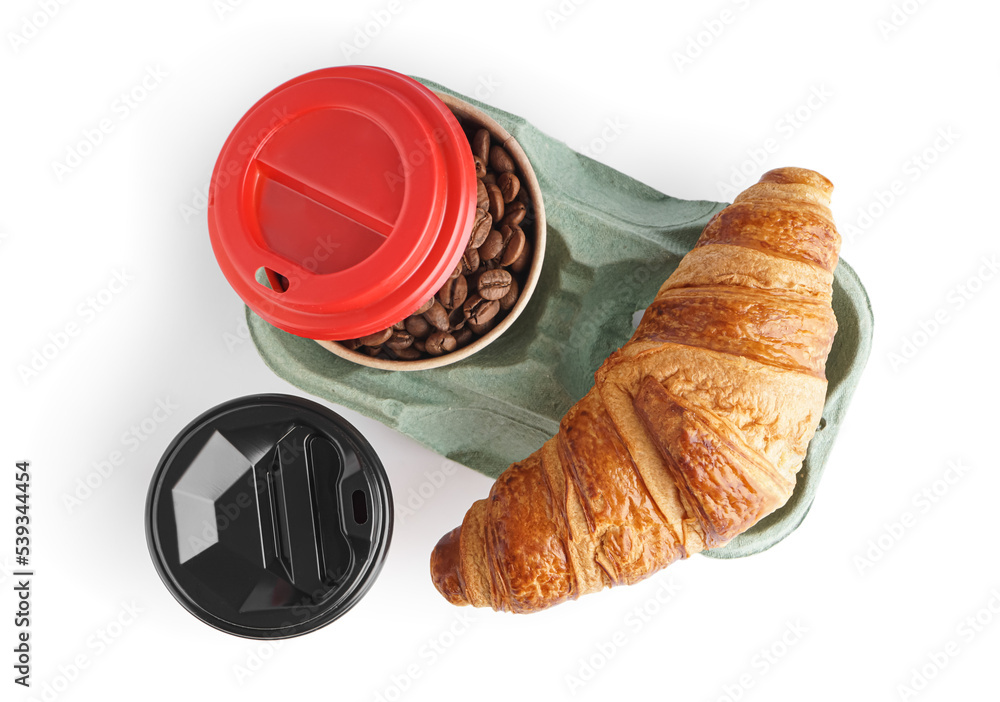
x=269, y=516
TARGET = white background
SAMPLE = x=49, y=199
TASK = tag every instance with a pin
x=893, y=78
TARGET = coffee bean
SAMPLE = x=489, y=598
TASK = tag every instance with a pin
x=481, y=226
x=509, y=186
x=513, y=244
x=453, y=293
x=479, y=240
x=399, y=340
x=376, y=338
x=470, y=260
x=494, y=284
x=482, y=199
x=481, y=145
x=479, y=310
x=513, y=214
x=480, y=167
x=463, y=336
x=492, y=247
x=418, y=326
x=437, y=316
x=524, y=260
x=496, y=202
x=440, y=342
x=481, y=329
x=456, y=318
x=500, y=160
x=510, y=299
x=407, y=354
x=481, y=289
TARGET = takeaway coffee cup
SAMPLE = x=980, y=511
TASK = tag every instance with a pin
x=345, y=198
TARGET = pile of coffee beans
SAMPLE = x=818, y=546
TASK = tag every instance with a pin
x=488, y=279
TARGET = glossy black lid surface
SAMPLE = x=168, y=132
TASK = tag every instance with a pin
x=269, y=516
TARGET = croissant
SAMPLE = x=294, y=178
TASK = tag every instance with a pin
x=694, y=429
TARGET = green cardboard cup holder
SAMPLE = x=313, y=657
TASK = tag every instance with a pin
x=610, y=242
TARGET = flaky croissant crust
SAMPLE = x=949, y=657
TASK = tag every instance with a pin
x=694, y=429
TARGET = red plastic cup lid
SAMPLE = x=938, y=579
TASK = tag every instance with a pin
x=353, y=190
